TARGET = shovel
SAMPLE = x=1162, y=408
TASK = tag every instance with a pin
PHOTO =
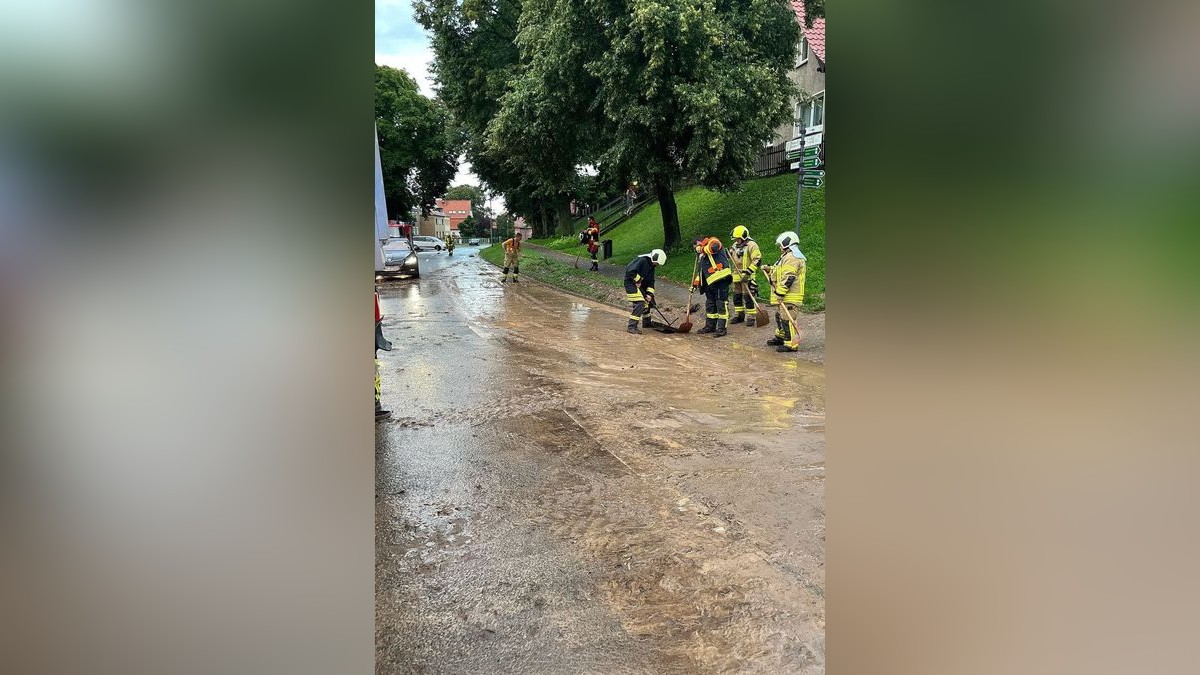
x=686, y=326
x=667, y=328
x=760, y=315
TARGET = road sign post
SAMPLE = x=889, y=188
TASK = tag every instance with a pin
x=800, y=188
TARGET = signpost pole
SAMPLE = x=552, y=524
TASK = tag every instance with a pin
x=800, y=182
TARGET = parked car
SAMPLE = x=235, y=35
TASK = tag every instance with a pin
x=473, y=242
x=397, y=253
x=424, y=243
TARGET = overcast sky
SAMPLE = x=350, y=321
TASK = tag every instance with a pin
x=400, y=42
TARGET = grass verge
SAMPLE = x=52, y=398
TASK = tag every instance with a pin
x=581, y=282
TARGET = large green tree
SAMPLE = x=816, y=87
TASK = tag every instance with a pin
x=548, y=125
x=475, y=60
x=474, y=193
x=690, y=89
x=419, y=144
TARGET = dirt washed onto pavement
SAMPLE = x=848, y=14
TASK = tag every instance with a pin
x=556, y=495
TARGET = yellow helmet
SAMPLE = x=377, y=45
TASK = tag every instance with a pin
x=740, y=232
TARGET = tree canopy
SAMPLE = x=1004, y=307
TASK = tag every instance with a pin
x=660, y=91
x=418, y=143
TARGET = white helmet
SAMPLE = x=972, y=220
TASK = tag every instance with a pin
x=787, y=240
x=658, y=256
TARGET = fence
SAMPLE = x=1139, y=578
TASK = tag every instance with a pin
x=771, y=160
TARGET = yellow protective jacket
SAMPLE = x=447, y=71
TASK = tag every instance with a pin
x=787, y=280
x=746, y=259
x=512, y=245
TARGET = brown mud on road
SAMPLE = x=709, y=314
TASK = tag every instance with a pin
x=556, y=495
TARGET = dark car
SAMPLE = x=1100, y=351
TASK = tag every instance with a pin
x=398, y=254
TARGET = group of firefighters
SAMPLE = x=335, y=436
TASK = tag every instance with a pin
x=718, y=273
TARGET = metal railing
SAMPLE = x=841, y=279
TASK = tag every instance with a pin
x=772, y=160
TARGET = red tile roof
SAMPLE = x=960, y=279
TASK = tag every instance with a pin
x=816, y=34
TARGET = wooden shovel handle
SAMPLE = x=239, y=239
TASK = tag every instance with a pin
x=695, y=266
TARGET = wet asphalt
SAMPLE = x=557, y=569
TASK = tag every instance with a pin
x=555, y=495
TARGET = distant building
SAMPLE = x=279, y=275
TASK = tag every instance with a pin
x=436, y=224
x=456, y=210
x=526, y=230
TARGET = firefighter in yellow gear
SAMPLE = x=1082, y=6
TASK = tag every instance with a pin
x=746, y=259
x=512, y=258
x=787, y=289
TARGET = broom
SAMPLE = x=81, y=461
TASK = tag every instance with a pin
x=760, y=315
x=686, y=326
x=791, y=322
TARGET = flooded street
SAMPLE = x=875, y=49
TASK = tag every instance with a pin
x=556, y=495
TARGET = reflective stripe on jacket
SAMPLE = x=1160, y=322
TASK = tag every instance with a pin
x=639, y=275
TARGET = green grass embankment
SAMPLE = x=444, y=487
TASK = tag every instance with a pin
x=566, y=277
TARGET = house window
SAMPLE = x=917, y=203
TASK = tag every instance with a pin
x=810, y=114
x=802, y=52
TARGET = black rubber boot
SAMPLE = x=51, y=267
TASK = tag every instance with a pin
x=721, y=332
x=633, y=328
x=710, y=326
x=775, y=342
x=738, y=318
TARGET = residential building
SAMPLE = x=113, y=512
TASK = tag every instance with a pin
x=436, y=224
x=809, y=75
x=457, y=210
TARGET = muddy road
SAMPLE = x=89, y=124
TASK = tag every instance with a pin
x=555, y=495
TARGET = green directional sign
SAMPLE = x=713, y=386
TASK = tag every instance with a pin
x=811, y=162
x=812, y=151
x=812, y=181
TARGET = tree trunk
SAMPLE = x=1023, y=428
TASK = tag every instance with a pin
x=670, y=215
x=562, y=209
x=545, y=222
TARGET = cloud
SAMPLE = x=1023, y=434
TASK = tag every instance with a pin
x=400, y=42
x=416, y=61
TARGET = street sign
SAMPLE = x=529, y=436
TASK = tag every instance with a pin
x=811, y=162
x=813, y=151
x=811, y=140
x=812, y=181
